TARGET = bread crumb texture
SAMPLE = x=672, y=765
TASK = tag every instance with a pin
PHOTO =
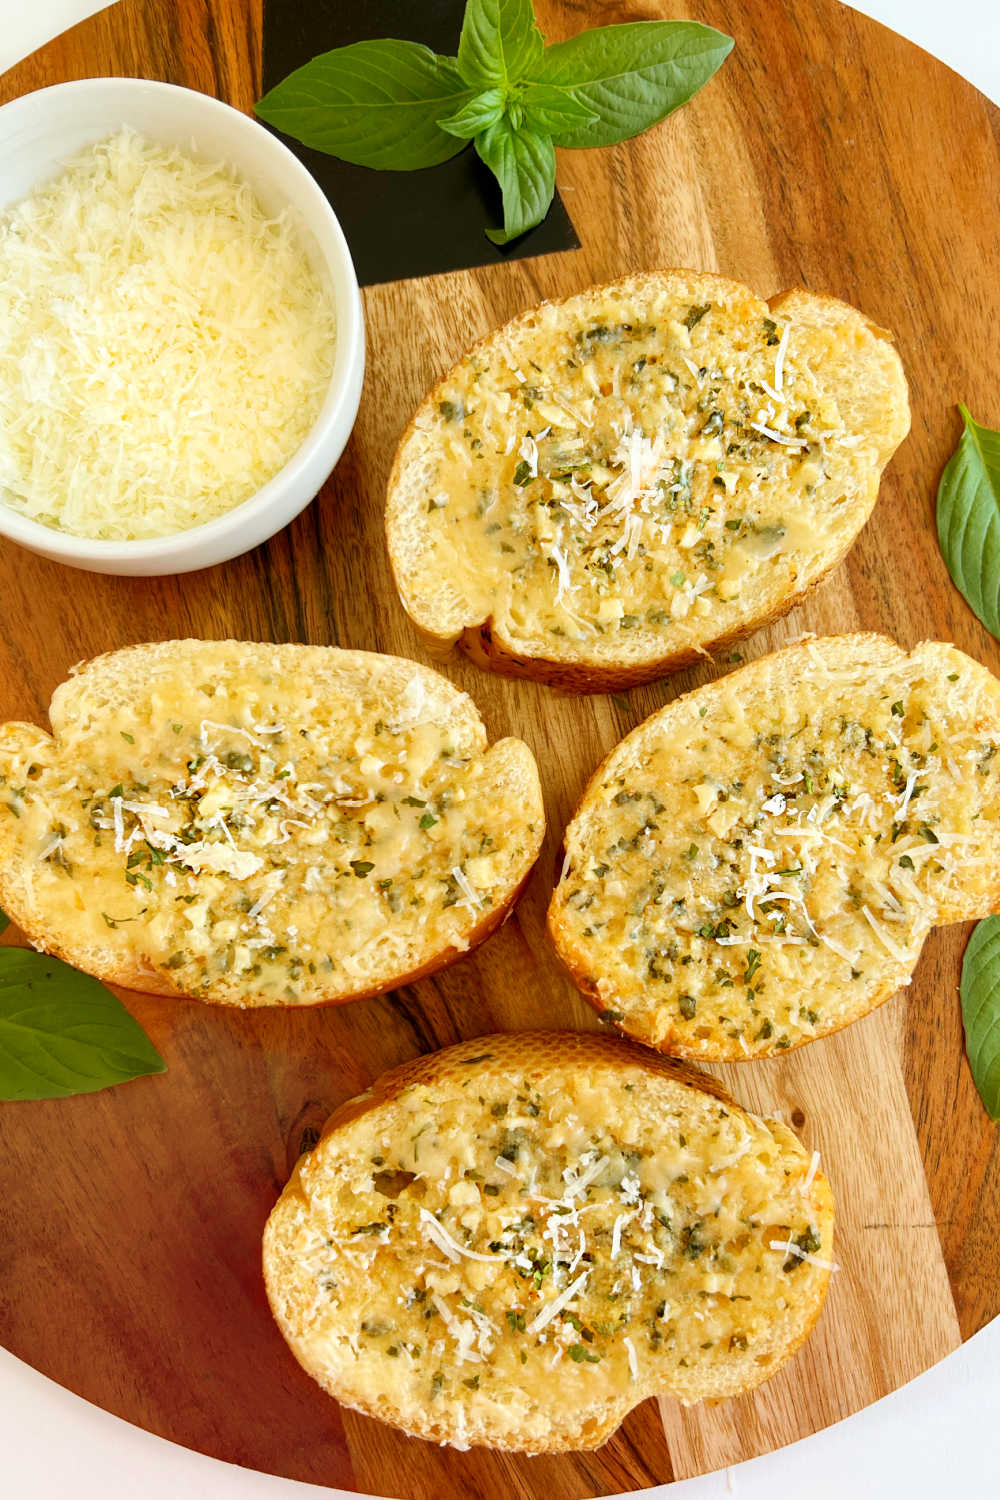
x=255, y=824
x=517, y=1240
x=642, y=469
x=759, y=863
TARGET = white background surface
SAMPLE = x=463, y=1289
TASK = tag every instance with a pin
x=941, y=1434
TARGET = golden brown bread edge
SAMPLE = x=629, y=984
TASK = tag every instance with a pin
x=427, y=1069
x=148, y=981
x=587, y=987
x=478, y=641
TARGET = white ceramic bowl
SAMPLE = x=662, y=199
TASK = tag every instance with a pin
x=37, y=134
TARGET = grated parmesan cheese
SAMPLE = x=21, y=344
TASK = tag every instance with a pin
x=165, y=346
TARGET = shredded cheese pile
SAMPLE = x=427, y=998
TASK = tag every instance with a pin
x=165, y=345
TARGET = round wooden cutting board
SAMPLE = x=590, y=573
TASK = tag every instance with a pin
x=827, y=153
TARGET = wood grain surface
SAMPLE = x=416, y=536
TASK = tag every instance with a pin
x=828, y=153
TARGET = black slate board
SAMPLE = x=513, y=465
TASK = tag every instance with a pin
x=400, y=224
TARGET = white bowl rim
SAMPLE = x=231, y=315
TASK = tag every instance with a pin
x=71, y=548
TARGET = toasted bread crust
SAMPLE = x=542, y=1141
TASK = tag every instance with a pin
x=148, y=981
x=487, y=651
x=485, y=642
x=674, y=1044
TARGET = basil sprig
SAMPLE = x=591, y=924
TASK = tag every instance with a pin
x=398, y=106
x=968, y=520
x=63, y=1033
x=981, y=1011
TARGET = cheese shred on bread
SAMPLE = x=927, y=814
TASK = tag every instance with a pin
x=262, y=825
x=515, y=1241
x=610, y=485
x=758, y=864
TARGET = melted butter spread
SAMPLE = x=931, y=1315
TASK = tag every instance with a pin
x=612, y=483
x=232, y=824
x=481, y=1235
x=752, y=883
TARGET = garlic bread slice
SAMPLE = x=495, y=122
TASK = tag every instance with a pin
x=758, y=864
x=515, y=1241
x=610, y=485
x=262, y=825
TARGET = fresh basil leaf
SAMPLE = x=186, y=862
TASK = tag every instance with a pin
x=376, y=104
x=553, y=111
x=479, y=114
x=968, y=520
x=63, y=1033
x=524, y=163
x=4, y=921
x=981, y=1011
x=632, y=75
x=500, y=42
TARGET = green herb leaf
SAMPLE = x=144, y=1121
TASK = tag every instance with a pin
x=524, y=163
x=500, y=42
x=581, y=1355
x=376, y=104
x=981, y=1011
x=968, y=520
x=479, y=114
x=631, y=76
x=63, y=1033
x=554, y=111
x=4, y=921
